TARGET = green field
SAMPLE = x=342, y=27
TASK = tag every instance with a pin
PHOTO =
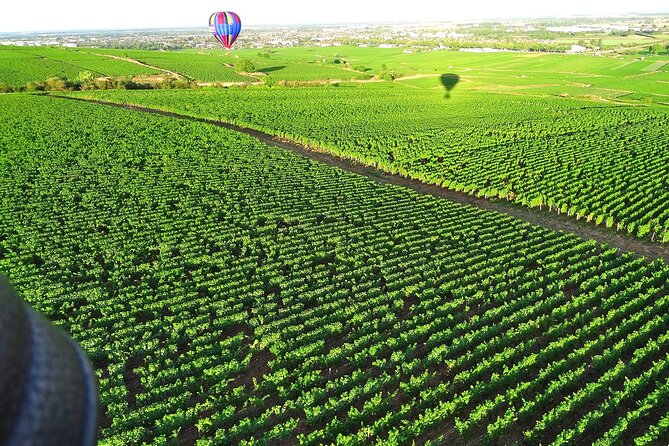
x=229, y=292
x=218, y=66
x=585, y=144
x=612, y=41
x=191, y=64
x=438, y=62
x=21, y=65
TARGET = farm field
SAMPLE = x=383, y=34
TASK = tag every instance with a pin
x=188, y=64
x=330, y=63
x=20, y=65
x=337, y=224
x=592, y=145
x=395, y=59
x=613, y=41
x=233, y=292
x=216, y=66
x=229, y=292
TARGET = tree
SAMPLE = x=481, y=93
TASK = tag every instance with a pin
x=245, y=66
x=86, y=80
x=56, y=84
x=655, y=49
x=35, y=86
x=103, y=84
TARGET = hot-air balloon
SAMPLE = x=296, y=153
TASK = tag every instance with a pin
x=225, y=26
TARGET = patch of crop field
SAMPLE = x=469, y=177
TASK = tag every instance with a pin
x=378, y=60
x=427, y=81
x=302, y=65
x=372, y=58
x=96, y=63
x=658, y=79
x=611, y=42
x=593, y=153
x=310, y=72
x=21, y=65
x=656, y=66
x=502, y=68
x=624, y=64
x=19, y=68
x=219, y=66
x=193, y=65
x=637, y=66
x=230, y=292
x=636, y=96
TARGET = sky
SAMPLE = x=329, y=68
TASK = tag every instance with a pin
x=64, y=15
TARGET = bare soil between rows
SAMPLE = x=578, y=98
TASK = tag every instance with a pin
x=543, y=218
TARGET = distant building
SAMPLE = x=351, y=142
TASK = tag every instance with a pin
x=484, y=50
x=588, y=28
x=577, y=49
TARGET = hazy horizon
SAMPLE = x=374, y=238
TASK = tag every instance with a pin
x=77, y=15
x=278, y=26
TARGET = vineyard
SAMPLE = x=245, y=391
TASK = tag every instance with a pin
x=217, y=66
x=20, y=65
x=605, y=75
x=603, y=162
x=232, y=293
x=189, y=64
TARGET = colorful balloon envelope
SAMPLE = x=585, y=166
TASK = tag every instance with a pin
x=225, y=26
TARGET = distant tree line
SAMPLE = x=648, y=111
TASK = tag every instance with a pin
x=658, y=49
x=150, y=46
x=457, y=44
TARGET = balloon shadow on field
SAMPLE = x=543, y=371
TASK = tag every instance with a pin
x=449, y=81
x=271, y=69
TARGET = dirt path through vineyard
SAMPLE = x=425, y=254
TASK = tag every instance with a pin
x=544, y=218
